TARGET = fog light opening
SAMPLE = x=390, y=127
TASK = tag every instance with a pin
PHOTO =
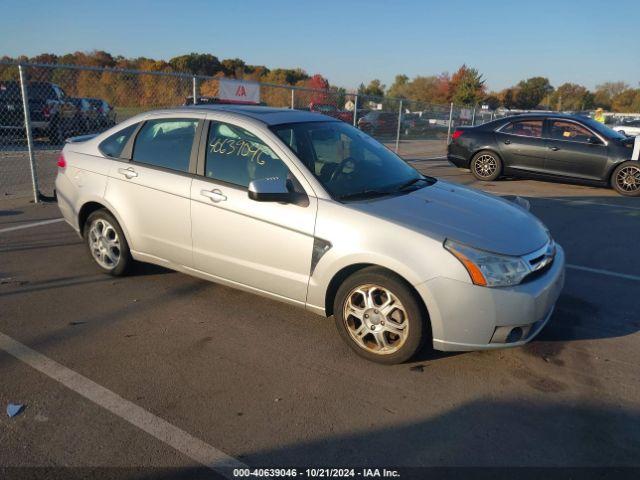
x=514, y=335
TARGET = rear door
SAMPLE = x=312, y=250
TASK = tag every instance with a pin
x=151, y=193
x=574, y=150
x=521, y=144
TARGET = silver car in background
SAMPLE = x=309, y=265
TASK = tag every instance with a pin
x=304, y=208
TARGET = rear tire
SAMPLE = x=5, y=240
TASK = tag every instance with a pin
x=106, y=243
x=378, y=315
x=626, y=179
x=486, y=166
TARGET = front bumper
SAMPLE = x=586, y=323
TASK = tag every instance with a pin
x=469, y=317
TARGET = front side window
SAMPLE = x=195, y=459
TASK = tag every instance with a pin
x=347, y=162
x=166, y=143
x=236, y=156
x=112, y=146
x=563, y=130
x=524, y=128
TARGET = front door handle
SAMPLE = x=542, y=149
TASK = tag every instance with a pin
x=128, y=172
x=555, y=149
x=507, y=141
x=214, y=195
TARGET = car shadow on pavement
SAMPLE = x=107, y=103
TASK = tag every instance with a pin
x=486, y=432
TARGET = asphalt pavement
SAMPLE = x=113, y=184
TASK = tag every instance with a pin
x=160, y=374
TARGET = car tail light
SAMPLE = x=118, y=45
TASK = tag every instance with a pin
x=62, y=163
x=456, y=134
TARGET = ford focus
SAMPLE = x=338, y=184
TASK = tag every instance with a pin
x=306, y=209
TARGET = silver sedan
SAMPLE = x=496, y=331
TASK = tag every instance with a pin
x=306, y=209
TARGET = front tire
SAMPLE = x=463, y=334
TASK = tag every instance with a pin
x=626, y=179
x=486, y=166
x=106, y=243
x=378, y=315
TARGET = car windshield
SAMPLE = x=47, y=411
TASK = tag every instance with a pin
x=603, y=129
x=349, y=163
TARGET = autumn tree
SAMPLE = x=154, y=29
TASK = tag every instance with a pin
x=605, y=92
x=626, y=101
x=570, y=96
x=196, y=63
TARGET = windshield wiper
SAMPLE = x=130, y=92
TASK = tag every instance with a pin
x=369, y=193
x=412, y=182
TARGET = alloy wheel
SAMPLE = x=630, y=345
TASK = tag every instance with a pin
x=376, y=319
x=104, y=244
x=628, y=178
x=485, y=165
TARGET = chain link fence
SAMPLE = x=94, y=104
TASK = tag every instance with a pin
x=42, y=105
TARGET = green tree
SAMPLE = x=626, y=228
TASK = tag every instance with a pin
x=374, y=89
x=508, y=98
x=399, y=87
x=466, y=86
x=531, y=91
x=492, y=101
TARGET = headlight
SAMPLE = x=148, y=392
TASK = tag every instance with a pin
x=489, y=269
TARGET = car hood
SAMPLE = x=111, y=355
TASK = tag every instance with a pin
x=446, y=210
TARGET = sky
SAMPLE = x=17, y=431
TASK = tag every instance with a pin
x=350, y=41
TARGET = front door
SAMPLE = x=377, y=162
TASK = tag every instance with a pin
x=266, y=246
x=574, y=151
x=521, y=145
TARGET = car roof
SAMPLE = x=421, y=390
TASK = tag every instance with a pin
x=266, y=115
x=532, y=115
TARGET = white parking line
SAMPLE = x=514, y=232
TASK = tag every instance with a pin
x=31, y=225
x=626, y=276
x=167, y=433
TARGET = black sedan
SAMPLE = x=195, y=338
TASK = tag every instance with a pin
x=549, y=146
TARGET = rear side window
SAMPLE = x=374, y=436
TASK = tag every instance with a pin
x=166, y=143
x=113, y=145
x=524, y=128
x=236, y=156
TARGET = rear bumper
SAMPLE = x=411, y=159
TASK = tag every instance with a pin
x=458, y=160
x=468, y=317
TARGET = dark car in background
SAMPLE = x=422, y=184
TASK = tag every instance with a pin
x=105, y=114
x=86, y=120
x=52, y=114
x=378, y=123
x=332, y=111
x=548, y=146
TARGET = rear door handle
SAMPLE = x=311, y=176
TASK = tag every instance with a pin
x=214, y=195
x=128, y=172
x=555, y=149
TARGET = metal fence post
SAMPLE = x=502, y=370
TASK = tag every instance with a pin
x=293, y=99
x=473, y=117
x=399, y=122
x=450, y=120
x=27, y=128
x=355, y=112
x=195, y=90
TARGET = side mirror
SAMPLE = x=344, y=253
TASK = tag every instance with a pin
x=594, y=141
x=622, y=132
x=271, y=189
